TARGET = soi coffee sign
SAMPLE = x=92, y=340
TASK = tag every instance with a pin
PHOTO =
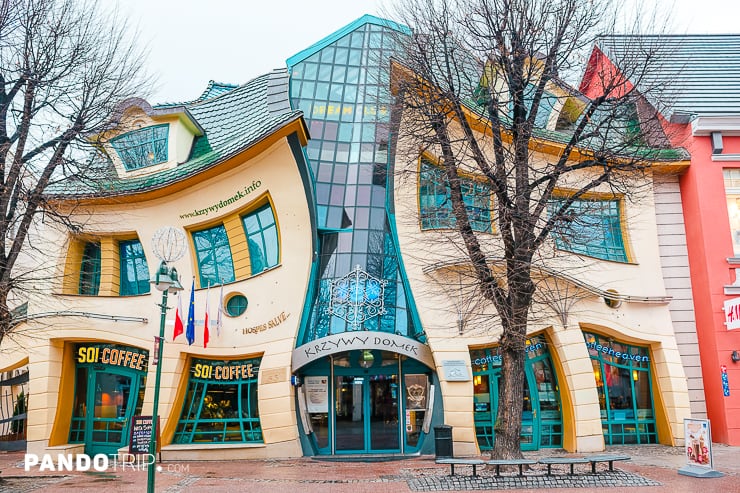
x=732, y=313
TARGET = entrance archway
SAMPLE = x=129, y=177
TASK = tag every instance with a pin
x=367, y=402
x=109, y=391
x=542, y=423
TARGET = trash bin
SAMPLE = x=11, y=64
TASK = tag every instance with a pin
x=443, y=441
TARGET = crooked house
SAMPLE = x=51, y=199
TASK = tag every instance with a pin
x=338, y=321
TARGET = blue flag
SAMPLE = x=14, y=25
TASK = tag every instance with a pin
x=190, y=330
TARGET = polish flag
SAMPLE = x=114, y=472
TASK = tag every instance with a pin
x=205, y=324
x=179, y=327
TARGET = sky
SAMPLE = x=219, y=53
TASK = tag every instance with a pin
x=193, y=41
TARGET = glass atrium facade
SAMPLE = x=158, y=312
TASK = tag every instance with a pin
x=341, y=84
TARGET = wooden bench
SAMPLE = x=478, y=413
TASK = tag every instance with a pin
x=511, y=462
x=461, y=462
x=594, y=459
x=571, y=461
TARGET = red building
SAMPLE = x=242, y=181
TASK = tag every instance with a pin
x=695, y=82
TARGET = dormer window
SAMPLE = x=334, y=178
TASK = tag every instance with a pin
x=143, y=147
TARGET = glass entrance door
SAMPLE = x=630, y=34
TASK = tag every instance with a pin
x=367, y=414
x=112, y=402
x=486, y=409
x=105, y=401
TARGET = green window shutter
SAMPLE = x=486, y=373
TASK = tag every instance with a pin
x=212, y=249
x=90, y=270
x=134, y=268
x=262, y=238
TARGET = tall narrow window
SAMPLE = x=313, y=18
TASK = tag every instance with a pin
x=143, y=147
x=591, y=227
x=262, y=237
x=90, y=270
x=134, y=268
x=213, y=252
x=435, y=202
x=732, y=193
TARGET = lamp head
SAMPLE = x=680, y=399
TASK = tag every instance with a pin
x=166, y=279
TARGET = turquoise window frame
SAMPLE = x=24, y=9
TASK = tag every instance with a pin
x=549, y=433
x=595, y=229
x=435, y=202
x=201, y=418
x=213, y=253
x=134, y=268
x=89, y=284
x=262, y=238
x=236, y=305
x=78, y=430
x=622, y=426
x=143, y=147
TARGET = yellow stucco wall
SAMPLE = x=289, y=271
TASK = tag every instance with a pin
x=279, y=290
x=431, y=257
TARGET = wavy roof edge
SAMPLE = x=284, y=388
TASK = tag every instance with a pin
x=231, y=129
x=212, y=90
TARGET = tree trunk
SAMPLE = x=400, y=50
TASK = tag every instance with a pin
x=510, y=396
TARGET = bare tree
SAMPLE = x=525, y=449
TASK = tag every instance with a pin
x=480, y=88
x=64, y=66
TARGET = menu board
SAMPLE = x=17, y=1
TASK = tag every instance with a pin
x=141, y=435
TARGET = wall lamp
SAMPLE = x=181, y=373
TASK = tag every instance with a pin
x=735, y=356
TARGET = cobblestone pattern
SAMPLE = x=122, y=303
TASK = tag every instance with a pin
x=28, y=484
x=614, y=479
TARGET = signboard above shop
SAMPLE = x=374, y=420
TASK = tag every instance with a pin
x=350, y=341
x=732, y=313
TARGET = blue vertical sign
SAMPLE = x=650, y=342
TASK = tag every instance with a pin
x=725, y=381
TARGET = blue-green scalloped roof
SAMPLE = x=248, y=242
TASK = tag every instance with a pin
x=233, y=121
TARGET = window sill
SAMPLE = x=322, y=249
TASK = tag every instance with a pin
x=209, y=446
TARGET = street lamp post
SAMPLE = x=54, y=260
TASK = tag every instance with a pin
x=165, y=280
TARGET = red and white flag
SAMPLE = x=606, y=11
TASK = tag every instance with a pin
x=205, y=323
x=219, y=318
x=179, y=327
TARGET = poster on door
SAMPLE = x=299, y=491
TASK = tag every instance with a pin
x=317, y=394
x=698, y=442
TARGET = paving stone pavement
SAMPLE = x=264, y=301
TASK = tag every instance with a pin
x=653, y=469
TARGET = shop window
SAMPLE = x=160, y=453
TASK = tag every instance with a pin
x=143, y=147
x=213, y=254
x=435, y=202
x=220, y=404
x=262, y=238
x=590, y=227
x=542, y=424
x=90, y=270
x=732, y=193
x=134, y=268
x=623, y=382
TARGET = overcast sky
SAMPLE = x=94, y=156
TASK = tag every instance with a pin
x=193, y=41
